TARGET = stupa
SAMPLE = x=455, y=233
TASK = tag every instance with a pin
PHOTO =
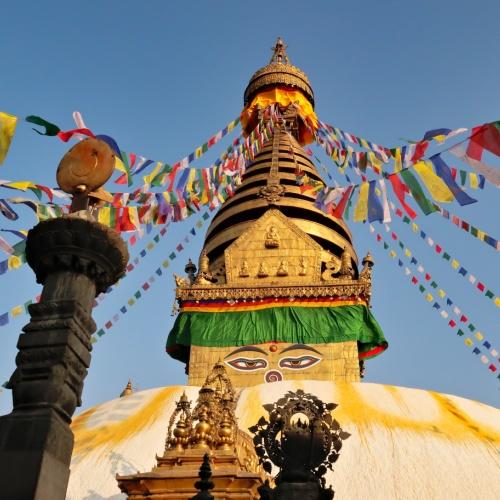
x=280, y=302
x=278, y=295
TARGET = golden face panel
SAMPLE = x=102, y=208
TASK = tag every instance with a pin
x=276, y=361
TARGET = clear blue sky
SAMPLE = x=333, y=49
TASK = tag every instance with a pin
x=161, y=77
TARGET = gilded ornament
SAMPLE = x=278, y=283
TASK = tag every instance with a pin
x=244, y=272
x=346, y=270
x=282, y=269
x=302, y=266
x=272, y=238
x=262, y=272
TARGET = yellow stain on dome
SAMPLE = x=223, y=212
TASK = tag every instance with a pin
x=359, y=406
x=354, y=407
x=110, y=434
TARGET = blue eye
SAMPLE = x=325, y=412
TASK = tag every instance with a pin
x=299, y=363
x=247, y=364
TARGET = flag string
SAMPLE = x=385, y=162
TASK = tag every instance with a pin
x=139, y=293
x=441, y=310
x=455, y=264
x=469, y=228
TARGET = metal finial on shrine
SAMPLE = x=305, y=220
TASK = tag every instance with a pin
x=204, y=485
x=279, y=52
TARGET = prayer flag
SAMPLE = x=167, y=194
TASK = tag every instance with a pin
x=399, y=190
x=434, y=184
x=425, y=205
x=443, y=170
x=7, y=128
x=375, y=209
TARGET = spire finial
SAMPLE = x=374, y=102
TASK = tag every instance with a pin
x=279, y=52
x=128, y=389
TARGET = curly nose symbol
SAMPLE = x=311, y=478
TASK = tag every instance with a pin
x=273, y=376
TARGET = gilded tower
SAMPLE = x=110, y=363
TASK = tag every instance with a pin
x=278, y=294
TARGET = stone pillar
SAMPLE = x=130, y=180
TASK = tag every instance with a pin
x=75, y=259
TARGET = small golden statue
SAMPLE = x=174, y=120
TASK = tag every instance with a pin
x=346, y=270
x=262, y=273
x=302, y=266
x=283, y=268
x=204, y=276
x=244, y=272
x=272, y=238
x=180, y=281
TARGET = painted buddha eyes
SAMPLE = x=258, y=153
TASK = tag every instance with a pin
x=254, y=364
x=299, y=363
x=249, y=364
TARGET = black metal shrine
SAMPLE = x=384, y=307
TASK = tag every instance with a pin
x=303, y=440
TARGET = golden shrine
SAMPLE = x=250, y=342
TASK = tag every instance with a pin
x=278, y=294
x=210, y=427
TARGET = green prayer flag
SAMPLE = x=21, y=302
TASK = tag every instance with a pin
x=418, y=194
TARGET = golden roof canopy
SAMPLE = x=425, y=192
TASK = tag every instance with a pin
x=279, y=72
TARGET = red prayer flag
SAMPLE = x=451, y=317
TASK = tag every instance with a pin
x=399, y=190
x=420, y=149
x=339, y=209
x=487, y=137
x=452, y=323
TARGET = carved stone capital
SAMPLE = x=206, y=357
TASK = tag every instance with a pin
x=77, y=245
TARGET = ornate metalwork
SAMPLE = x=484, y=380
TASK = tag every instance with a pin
x=302, y=439
x=279, y=72
x=336, y=288
x=212, y=423
x=272, y=193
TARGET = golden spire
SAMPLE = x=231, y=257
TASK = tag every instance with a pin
x=279, y=72
x=128, y=389
x=279, y=52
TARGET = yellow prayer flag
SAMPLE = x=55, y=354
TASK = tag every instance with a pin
x=148, y=178
x=131, y=302
x=150, y=245
x=455, y=264
x=197, y=152
x=474, y=182
x=133, y=217
x=165, y=264
x=16, y=311
x=361, y=208
x=414, y=227
x=497, y=301
x=231, y=125
x=442, y=293
x=469, y=342
x=429, y=297
x=22, y=185
x=364, y=143
x=397, y=161
x=13, y=262
x=479, y=336
x=7, y=128
x=119, y=165
x=392, y=254
x=481, y=234
x=190, y=180
x=407, y=252
x=375, y=161
x=104, y=215
x=434, y=184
